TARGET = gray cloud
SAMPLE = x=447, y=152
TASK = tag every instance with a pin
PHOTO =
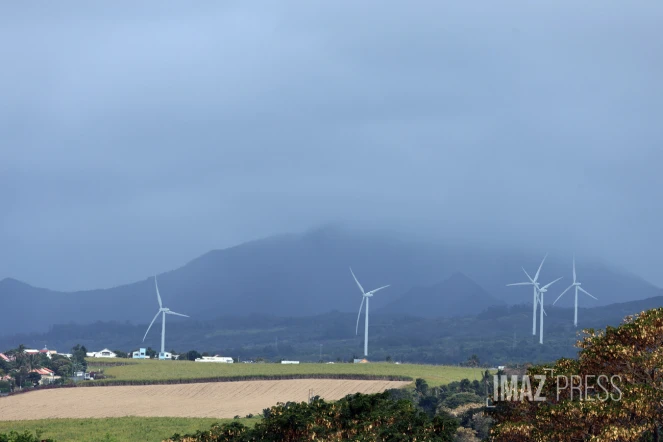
x=137, y=137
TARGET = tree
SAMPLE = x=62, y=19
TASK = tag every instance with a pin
x=34, y=377
x=473, y=361
x=421, y=386
x=121, y=354
x=355, y=417
x=192, y=355
x=79, y=352
x=388, y=358
x=632, y=352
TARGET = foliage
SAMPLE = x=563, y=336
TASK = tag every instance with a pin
x=78, y=356
x=192, y=355
x=355, y=417
x=144, y=371
x=150, y=429
x=121, y=354
x=26, y=436
x=632, y=351
x=34, y=378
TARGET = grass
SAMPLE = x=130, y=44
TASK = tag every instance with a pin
x=154, y=370
x=115, y=429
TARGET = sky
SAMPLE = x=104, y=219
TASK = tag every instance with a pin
x=134, y=138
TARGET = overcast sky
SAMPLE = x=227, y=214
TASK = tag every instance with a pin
x=135, y=138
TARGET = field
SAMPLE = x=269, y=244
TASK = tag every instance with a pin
x=214, y=400
x=150, y=429
x=152, y=370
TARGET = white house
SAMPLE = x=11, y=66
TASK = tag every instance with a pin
x=289, y=362
x=105, y=353
x=217, y=358
x=140, y=354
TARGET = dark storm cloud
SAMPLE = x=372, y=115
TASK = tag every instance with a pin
x=137, y=137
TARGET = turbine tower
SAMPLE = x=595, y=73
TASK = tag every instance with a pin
x=535, y=286
x=365, y=297
x=575, y=284
x=543, y=290
x=164, y=311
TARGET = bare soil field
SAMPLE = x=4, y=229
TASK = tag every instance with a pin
x=216, y=400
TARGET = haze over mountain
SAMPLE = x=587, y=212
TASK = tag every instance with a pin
x=456, y=296
x=307, y=274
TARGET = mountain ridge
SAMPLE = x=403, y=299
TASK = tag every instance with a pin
x=306, y=274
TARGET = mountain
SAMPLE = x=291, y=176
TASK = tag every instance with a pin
x=456, y=296
x=307, y=274
x=498, y=335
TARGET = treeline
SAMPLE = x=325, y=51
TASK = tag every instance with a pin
x=498, y=336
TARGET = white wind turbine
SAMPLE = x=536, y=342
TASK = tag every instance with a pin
x=575, y=284
x=365, y=297
x=535, y=285
x=543, y=290
x=164, y=311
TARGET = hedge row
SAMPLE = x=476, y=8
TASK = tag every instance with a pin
x=120, y=382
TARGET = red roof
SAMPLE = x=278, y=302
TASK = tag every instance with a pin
x=43, y=371
x=4, y=357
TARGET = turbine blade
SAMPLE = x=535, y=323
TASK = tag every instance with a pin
x=157, y=287
x=363, y=298
x=519, y=283
x=536, y=277
x=378, y=289
x=546, y=286
x=574, y=269
x=178, y=314
x=563, y=293
x=148, y=328
x=357, y=281
x=528, y=277
x=587, y=293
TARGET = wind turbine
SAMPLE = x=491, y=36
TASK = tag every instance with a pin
x=365, y=297
x=543, y=290
x=575, y=284
x=164, y=311
x=535, y=285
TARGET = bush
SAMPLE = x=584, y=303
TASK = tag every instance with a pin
x=26, y=436
x=355, y=417
x=458, y=399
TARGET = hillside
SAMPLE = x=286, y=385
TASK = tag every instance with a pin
x=456, y=296
x=306, y=274
x=497, y=335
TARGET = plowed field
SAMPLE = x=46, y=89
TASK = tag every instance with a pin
x=217, y=400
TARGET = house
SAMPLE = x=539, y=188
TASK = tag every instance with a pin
x=217, y=358
x=140, y=354
x=165, y=356
x=289, y=362
x=361, y=361
x=49, y=353
x=47, y=375
x=105, y=353
x=6, y=358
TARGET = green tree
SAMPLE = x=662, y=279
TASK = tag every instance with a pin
x=34, y=377
x=121, y=354
x=79, y=352
x=192, y=355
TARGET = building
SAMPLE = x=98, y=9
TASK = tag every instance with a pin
x=289, y=362
x=217, y=358
x=6, y=358
x=141, y=353
x=47, y=375
x=105, y=353
x=361, y=361
x=165, y=356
